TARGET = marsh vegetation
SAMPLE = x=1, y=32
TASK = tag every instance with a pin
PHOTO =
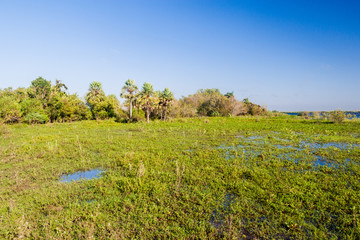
x=189, y=178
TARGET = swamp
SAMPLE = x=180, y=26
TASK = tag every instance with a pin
x=196, y=178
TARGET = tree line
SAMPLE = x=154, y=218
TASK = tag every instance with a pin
x=44, y=102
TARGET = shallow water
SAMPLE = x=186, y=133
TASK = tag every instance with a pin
x=341, y=146
x=256, y=144
x=279, y=146
x=218, y=217
x=320, y=161
x=81, y=175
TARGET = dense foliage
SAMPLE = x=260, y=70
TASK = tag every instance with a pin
x=44, y=102
x=41, y=102
x=210, y=102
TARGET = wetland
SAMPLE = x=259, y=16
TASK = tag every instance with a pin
x=196, y=178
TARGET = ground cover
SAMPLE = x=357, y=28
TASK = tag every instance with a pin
x=234, y=178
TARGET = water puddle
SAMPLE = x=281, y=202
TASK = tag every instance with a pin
x=81, y=175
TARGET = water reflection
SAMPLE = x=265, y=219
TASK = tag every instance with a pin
x=81, y=175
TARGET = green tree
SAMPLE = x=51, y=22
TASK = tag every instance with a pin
x=147, y=99
x=113, y=106
x=42, y=88
x=165, y=97
x=209, y=102
x=80, y=110
x=129, y=91
x=95, y=100
x=213, y=103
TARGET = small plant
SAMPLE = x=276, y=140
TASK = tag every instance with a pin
x=141, y=170
x=337, y=116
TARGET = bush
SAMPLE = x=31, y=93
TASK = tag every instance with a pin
x=256, y=110
x=180, y=108
x=337, y=116
x=35, y=117
x=138, y=116
x=216, y=114
x=10, y=110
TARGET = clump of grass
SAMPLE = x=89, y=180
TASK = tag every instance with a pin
x=141, y=170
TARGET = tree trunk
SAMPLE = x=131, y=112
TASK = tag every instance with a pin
x=148, y=115
x=130, y=108
x=165, y=112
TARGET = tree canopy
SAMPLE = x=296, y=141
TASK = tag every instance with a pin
x=45, y=102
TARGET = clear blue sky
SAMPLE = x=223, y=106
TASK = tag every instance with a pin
x=288, y=55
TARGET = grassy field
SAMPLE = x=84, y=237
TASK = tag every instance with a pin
x=232, y=178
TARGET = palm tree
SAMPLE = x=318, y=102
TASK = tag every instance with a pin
x=165, y=98
x=129, y=92
x=148, y=99
x=95, y=97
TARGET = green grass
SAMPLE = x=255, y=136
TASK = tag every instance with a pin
x=171, y=180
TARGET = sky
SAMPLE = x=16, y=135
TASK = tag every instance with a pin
x=297, y=55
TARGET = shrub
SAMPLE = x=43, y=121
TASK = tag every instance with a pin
x=215, y=114
x=35, y=117
x=337, y=116
x=10, y=110
x=138, y=116
x=182, y=108
x=256, y=110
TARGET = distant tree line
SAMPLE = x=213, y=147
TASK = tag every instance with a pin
x=45, y=102
x=336, y=116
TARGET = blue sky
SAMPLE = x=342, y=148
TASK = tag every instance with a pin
x=286, y=55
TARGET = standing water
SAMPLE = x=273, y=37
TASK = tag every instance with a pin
x=81, y=175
